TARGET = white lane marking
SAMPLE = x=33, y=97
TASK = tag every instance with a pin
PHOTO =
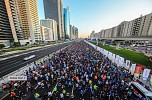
x=3, y=59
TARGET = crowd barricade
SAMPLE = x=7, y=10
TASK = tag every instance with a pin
x=141, y=74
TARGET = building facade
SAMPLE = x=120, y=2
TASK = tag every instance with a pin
x=12, y=10
x=46, y=34
x=139, y=27
x=28, y=16
x=53, y=9
x=76, y=32
x=92, y=35
x=71, y=32
x=5, y=28
x=66, y=17
x=52, y=25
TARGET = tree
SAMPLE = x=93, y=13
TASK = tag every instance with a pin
x=16, y=44
x=2, y=46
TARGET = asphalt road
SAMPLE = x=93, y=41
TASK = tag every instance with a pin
x=9, y=65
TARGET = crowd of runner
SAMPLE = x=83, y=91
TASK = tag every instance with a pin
x=75, y=73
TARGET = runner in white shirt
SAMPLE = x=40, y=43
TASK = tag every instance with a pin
x=61, y=96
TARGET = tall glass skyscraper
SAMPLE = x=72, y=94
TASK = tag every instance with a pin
x=53, y=10
x=66, y=17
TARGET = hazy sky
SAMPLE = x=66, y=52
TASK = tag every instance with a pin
x=96, y=15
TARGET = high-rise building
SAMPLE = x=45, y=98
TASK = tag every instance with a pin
x=53, y=10
x=66, y=17
x=76, y=32
x=52, y=24
x=12, y=10
x=29, y=20
x=71, y=32
x=92, y=35
x=5, y=28
x=136, y=28
x=10, y=29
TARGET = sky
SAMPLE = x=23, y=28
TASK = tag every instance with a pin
x=89, y=15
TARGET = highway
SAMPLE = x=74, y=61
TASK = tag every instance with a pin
x=11, y=64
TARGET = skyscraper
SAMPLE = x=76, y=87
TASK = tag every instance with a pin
x=71, y=32
x=12, y=10
x=53, y=10
x=29, y=19
x=76, y=32
x=66, y=17
x=10, y=29
x=5, y=28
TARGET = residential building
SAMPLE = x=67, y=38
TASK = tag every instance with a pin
x=28, y=16
x=139, y=27
x=53, y=10
x=10, y=29
x=145, y=26
x=12, y=10
x=92, y=34
x=5, y=27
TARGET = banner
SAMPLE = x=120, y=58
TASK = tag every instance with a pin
x=110, y=55
x=146, y=73
x=133, y=66
x=121, y=61
x=127, y=64
x=117, y=59
x=137, y=70
x=113, y=57
x=107, y=53
x=98, y=48
x=101, y=50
